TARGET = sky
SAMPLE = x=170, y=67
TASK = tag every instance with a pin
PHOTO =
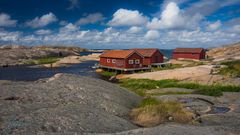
x=120, y=24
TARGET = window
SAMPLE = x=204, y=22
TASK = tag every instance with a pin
x=137, y=61
x=130, y=61
x=113, y=60
x=108, y=60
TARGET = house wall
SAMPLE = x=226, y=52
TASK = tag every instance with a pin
x=157, y=57
x=134, y=65
x=197, y=56
x=146, y=61
x=120, y=63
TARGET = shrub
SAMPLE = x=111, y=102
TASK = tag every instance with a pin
x=157, y=113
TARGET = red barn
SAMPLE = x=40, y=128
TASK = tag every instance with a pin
x=151, y=56
x=189, y=53
x=121, y=60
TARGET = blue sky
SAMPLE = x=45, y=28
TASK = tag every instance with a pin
x=120, y=23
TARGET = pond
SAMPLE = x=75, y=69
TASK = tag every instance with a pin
x=24, y=73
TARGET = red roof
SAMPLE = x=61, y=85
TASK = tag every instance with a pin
x=188, y=50
x=146, y=52
x=117, y=53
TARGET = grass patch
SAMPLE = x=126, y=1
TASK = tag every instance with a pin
x=167, y=67
x=47, y=60
x=107, y=74
x=148, y=101
x=171, y=93
x=44, y=60
x=153, y=113
x=140, y=86
x=232, y=68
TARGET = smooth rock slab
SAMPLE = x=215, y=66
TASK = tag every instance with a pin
x=65, y=104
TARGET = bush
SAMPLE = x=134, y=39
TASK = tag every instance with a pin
x=108, y=74
x=157, y=113
x=232, y=68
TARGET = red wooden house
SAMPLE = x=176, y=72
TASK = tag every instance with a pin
x=189, y=53
x=151, y=56
x=121, y=60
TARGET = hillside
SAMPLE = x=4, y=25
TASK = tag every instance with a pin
x=17, y=55
x=226, y=52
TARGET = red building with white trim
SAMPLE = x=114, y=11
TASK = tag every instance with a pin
x=134, y=59
x=151, y=56
x=189, y=53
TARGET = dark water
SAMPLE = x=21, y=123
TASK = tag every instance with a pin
x=31, y=74
x=167, y=52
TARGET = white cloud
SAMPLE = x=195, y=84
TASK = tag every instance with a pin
x=69, y=28
x=42, y=21
x=234, y=29
x=43, y=32
x=124, y=17
x=173, y=18
x=134, y=29
x=152, y=34
x=214, y=26
x=6, y=21
x=208, y=7
x=91, y=19
x=6, y=36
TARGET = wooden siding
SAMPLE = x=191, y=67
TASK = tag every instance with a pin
x=198, y=56
x=122, y=63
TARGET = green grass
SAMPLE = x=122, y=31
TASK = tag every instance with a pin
x=47, y=60
x=167, y=67
x=171, y=93
x=232, y=68
x=152, y=112
x=108, y=74
x=148, y=101
x=140, y=86
x=44, y=60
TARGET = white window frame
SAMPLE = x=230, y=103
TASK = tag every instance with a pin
x=113, y=60
x=137, y=61
x=130, y=62
x=108, y=60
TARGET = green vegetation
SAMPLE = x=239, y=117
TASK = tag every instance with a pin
x=140, y=86
x=232, y=68
x=172, y=93
x=193, y=63
x=170, y=66
x=108, y=74
x=148, y=101
x=152, y=112
x=44, y=60
x=189, y=63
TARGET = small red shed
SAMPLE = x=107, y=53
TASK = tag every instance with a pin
x=151, y=55
x=121, y=59
x=189, y=53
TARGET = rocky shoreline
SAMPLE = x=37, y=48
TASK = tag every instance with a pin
x=14, y=55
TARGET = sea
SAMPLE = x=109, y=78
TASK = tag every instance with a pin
x=26, y=73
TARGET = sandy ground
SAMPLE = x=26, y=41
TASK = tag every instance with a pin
x=200, y=74
x=73, y=60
